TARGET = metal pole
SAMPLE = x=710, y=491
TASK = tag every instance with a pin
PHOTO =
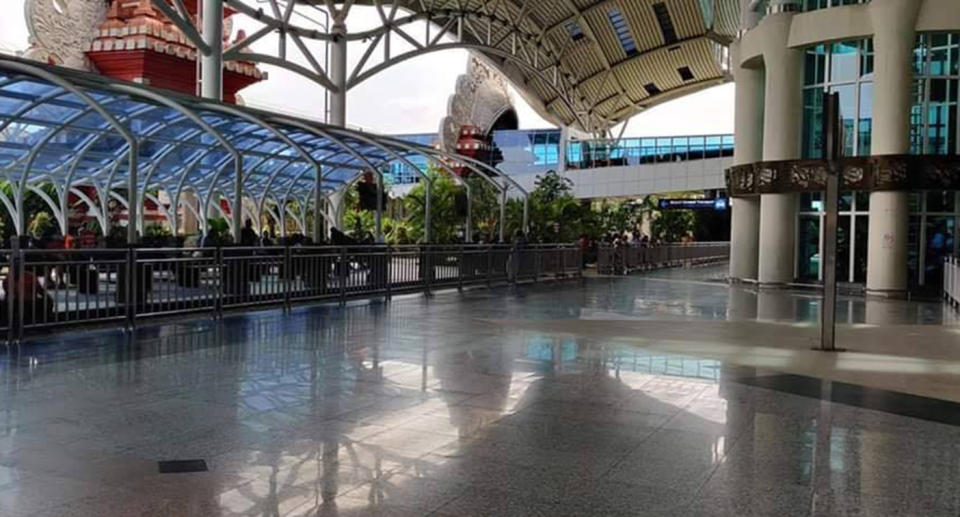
x=338, y=75
x=833, y=149
x=503, y=212
x=427, y=194
x=468, y=229
x=133, y=203
x=378, y=217
x=211, y=67
x=237, y=199
x=317, y=206
x=526, y=214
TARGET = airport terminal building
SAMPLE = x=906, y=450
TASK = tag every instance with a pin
x=896, y=67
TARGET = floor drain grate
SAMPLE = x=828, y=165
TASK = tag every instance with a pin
x=182, y=466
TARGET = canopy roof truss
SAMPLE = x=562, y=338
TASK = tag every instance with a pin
x=71, y=129
x=588, y=64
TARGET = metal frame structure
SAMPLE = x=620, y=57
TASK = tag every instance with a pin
x=585, y=80
x=131, y=143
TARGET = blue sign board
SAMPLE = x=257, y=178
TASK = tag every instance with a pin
x=719, y=204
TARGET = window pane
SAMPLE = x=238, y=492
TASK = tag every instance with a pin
x=865, y=121
x=844, y=61
x=815, y=65
x=812, y=123
x=848, y=114
x=940, y=201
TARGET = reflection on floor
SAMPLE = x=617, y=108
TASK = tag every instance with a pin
x=485, y=403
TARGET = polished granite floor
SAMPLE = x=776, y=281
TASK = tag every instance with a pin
x=448, y=407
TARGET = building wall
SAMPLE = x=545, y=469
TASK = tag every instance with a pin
x=896, y=65
x=640, y=180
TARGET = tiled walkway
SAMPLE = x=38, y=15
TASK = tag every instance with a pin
x=470, y=405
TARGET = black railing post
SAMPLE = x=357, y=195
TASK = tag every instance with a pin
x=221, y=270
x=460, y=267
x=489, y=265
x=287, y=276
x=14, y=323
x=536, y=253
x=427, y=270
x=344, y=275
x=389, y=287
x=131, y=288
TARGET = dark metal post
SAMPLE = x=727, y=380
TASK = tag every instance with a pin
x=389, y=286
x=221, y=276
x=489, y=265
x=14, y=319
x=833, y=150
x=460, y=268
x=344, y=275
x=287, y=276
x=131, y=287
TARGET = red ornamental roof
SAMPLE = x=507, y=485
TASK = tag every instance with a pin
x=138, y=43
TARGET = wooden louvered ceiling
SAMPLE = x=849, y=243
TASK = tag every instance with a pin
x=576, y=69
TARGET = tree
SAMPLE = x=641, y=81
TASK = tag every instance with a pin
x=446, y=223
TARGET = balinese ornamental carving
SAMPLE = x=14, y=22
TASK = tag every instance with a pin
x=61, y=29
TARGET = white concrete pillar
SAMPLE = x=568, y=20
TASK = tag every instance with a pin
x=782, y=123
x=748, y=148
x=894, y=23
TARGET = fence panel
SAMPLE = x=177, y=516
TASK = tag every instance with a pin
x=44, y=289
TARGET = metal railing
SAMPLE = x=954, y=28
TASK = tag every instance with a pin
x=951, y=281
x=624, y=260
x=50, y=289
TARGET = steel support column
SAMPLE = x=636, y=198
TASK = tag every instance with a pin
x=338, y=75
x=503, y=212
x=318, y=207
x=211, y=66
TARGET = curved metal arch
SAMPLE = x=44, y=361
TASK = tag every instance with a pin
x=222, y=108
x=378, y=223
x=66, y=85
x=50, y=203
x=80, y=155
x=285, y=64
x=163, y=210
x=468, y=234
x=55, y=128
x=431, y=44
x=91, y=205
x=195, y=118
x=475, y=165
x=395, y=60
x=93, y=137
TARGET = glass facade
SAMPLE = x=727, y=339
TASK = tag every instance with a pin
x=586, y=154
x=934, y=124
x=400, y=173
x=852, y=231
x=845, y=68
x=537, y=151
x=813, y=5
x=527, y=151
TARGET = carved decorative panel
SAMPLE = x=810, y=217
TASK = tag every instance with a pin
x=876, y=173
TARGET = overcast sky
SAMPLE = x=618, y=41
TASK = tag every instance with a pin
x=411, y=97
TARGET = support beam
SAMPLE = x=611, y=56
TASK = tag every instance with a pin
x=211, y=65
x=338, y=75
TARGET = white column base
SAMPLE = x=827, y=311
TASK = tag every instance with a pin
x=887, y=245
x=777, y=239
x=744, y=238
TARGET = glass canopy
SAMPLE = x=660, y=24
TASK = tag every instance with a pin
x=70, y=129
